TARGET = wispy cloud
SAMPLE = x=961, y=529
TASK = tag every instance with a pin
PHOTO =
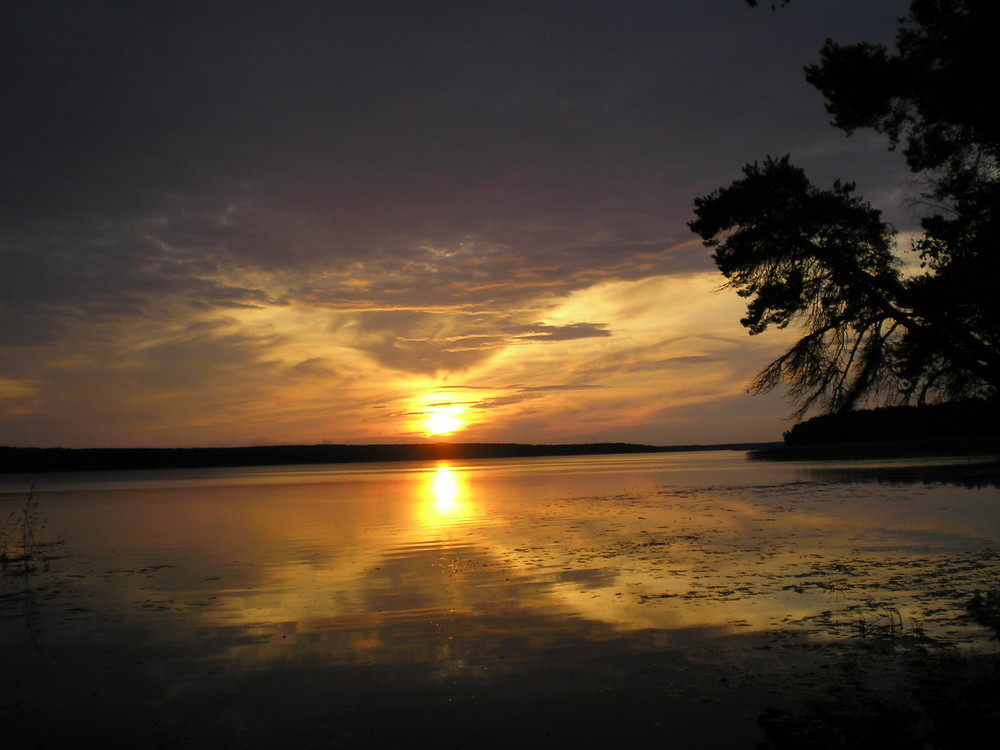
x=244, y=222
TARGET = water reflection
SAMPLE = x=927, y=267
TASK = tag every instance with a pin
x=619, y=544
x=465, y=571
x=445, y=497
x=972, y=473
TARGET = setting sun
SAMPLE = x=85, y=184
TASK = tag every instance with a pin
x=443, y=421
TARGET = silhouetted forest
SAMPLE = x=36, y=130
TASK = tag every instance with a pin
x=26, y=460
x=974, y=420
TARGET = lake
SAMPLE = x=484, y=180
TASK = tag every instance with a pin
x=541, y=602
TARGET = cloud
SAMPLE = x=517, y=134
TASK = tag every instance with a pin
x=237, y=221
x=314, y=367
x=437, y=342
x=569, y=332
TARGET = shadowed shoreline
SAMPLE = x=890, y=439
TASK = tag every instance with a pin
x=882, y=449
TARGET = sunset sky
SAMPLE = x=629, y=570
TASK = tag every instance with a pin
x=237, y=223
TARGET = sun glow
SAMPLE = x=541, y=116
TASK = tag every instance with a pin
x=444, y=420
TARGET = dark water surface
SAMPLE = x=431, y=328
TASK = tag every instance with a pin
x=642, y=600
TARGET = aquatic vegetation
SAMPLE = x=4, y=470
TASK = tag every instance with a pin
x=985, y=608
x=20, y=551
x=894, y=687
x=884, y=624
x=915, y=697
x=20, y=543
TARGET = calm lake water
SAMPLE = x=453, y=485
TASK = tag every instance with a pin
x=501, y=603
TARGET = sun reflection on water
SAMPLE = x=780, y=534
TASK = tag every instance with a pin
x=445, y=498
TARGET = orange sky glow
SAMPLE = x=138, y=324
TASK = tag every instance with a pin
x=332, y=223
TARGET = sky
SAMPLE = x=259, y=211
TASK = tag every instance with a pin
x=387, y=221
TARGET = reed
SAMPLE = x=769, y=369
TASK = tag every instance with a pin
x=19, y=537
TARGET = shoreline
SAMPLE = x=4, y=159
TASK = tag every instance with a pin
x=33, y=460
x=25, y=460
x=948, y=447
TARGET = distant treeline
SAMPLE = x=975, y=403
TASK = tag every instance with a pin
x=31, y=460
x=971, y=420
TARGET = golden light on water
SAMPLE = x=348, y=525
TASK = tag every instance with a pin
x=446, y=490
x=445, y=498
